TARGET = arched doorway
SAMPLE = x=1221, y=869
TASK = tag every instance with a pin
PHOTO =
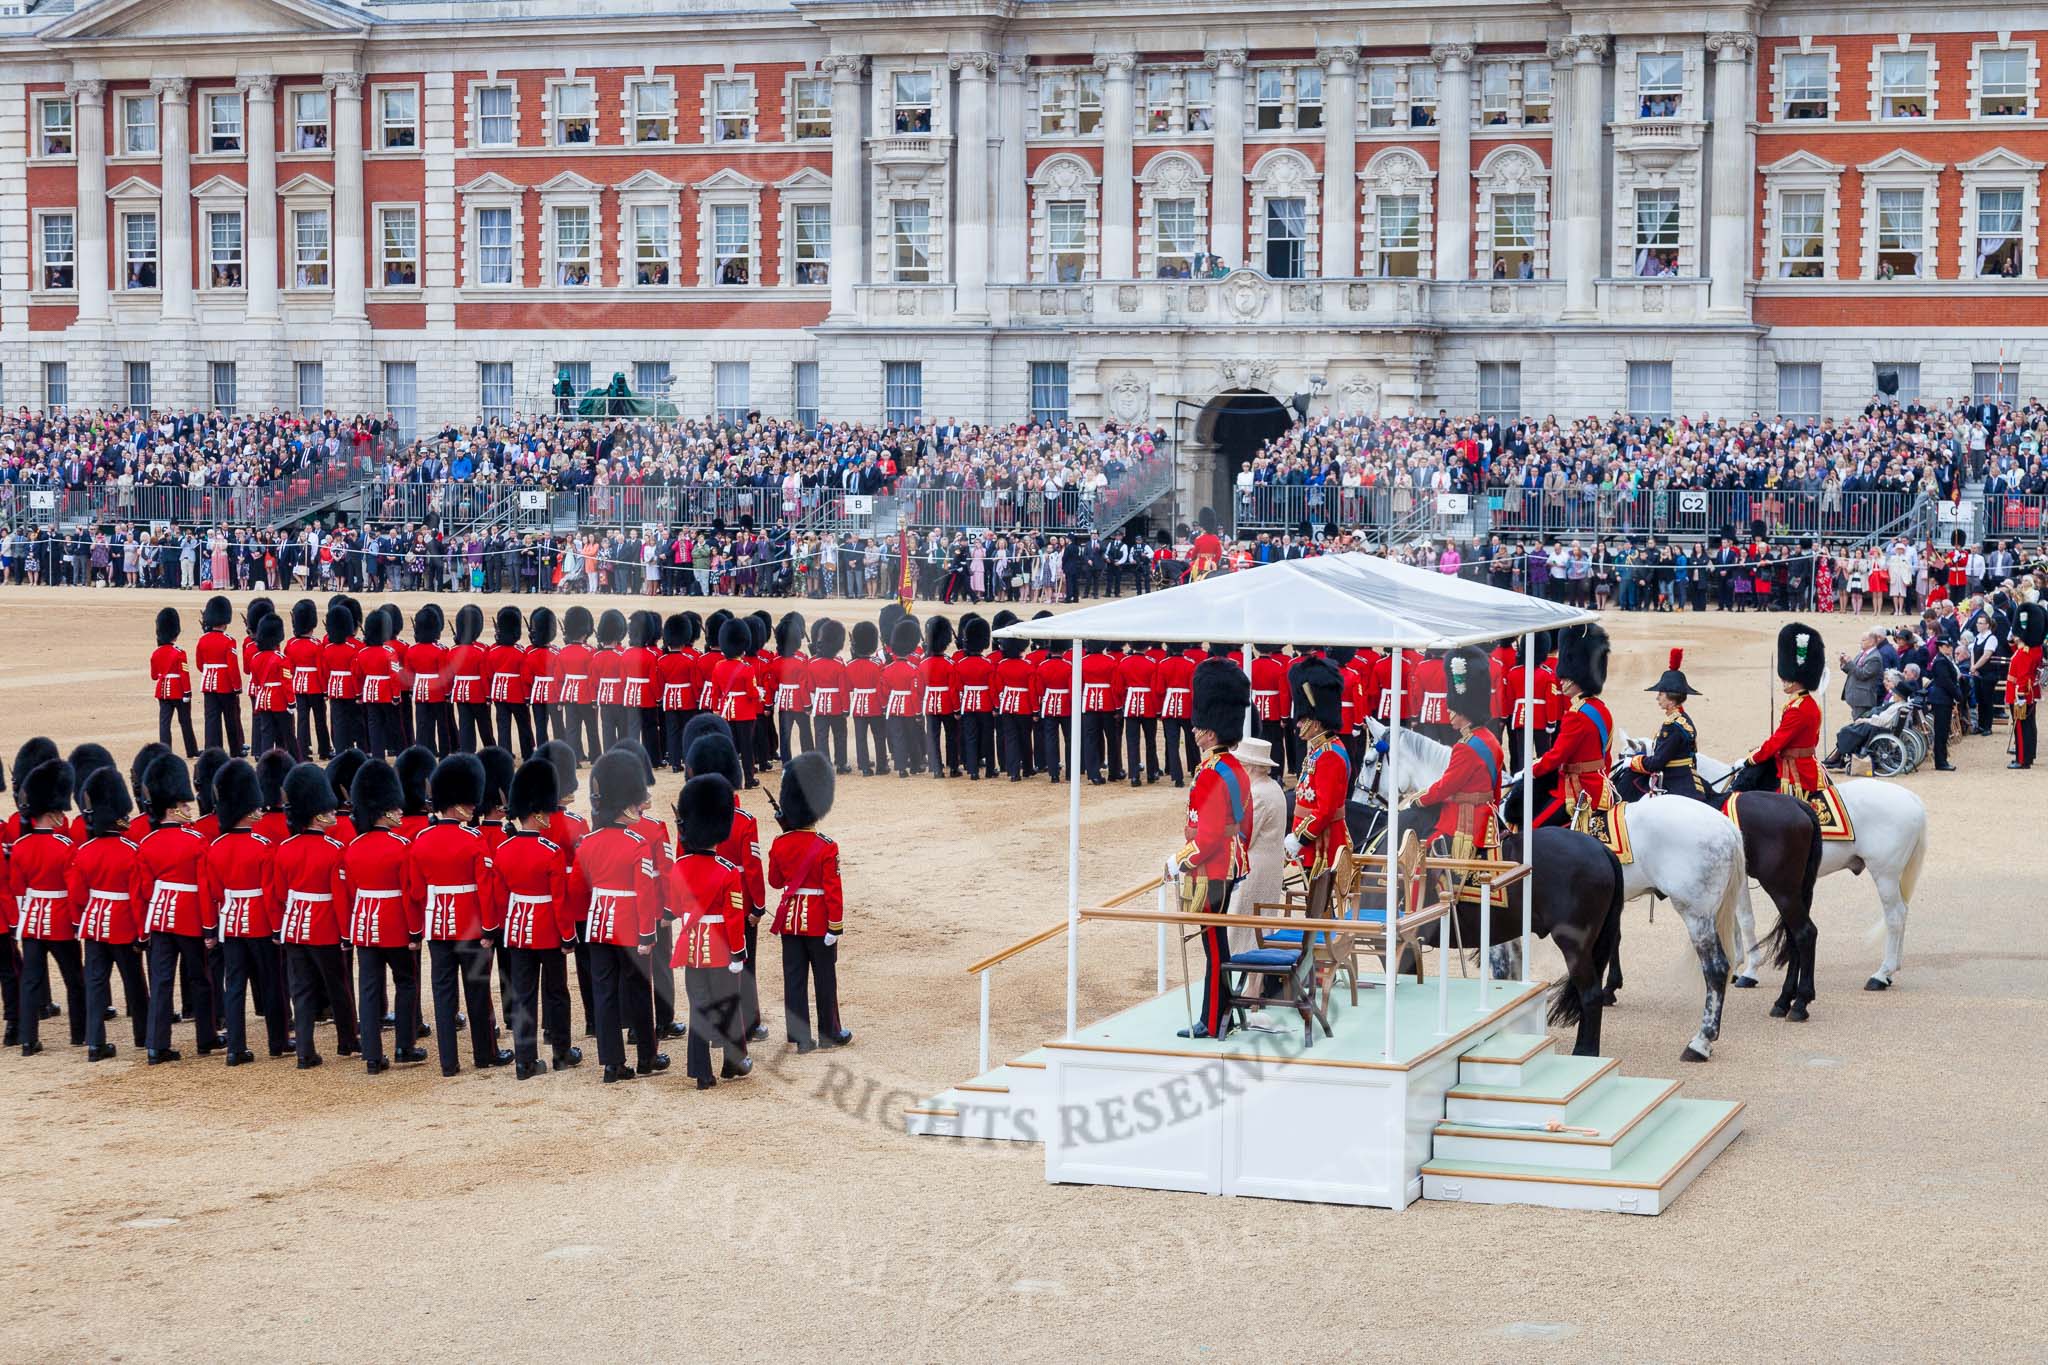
x=1234, y=426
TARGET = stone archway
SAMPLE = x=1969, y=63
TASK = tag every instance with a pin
x=1232, y=427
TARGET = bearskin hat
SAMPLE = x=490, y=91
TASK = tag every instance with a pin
x=394, y=621
x=713, y=753
x=639, y=751
x=535, y=790
x=763, y=627
x=509, y=625
x=643, y=628
x=415, y=769
x=1468, y=690
x=258, y=608
x=307, y=795
x=216, y=614
x=270, y=632
x=305, y=618
x=87, y=759
x=236, y=794
x=704, y=813
x=1221, y=692
x=166, y=783
x=540, y=627
x=341, y=623
x=938, y=636
x=828, y=638
x=611, y=628
x=355, y=608
x=886, y=619
x=789, y=634
x=107, y=807
x=1582, y=659
x=146, y=755
x=807, y=787
x=714, y=626
x=974, y=634
x=1317, y=688
x=1340, y=655
x=33, y=754
x=677, y=632
x=341, y=772
x=558, y=753
x=2030, y=623
x=1800, y=656
x=618, y=782
x=702, y=724
x=374, y=794
x=576, y=625
x=903, y=637
x=204, y=769
x=272, y=767
x=428, y=623
x=734, y=639
x=865, y=641
x=376, y=629
x=499, y=768
x=45, y=790
x=469, y=623
x=458, y=780
x=168, y=624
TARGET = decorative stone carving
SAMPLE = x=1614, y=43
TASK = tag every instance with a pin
x=1173, y=175
x=1653, y=298
x=345, y=84
x=87, y=92
x=259, y=87
x=1514, y=169
x=1244, y=293
x=1399, y=172
x=1245, y=374
x=906, y=303
x=1130, y=398
x=1066, y=177
x=170, y=89
x=1358, y=297
x=1232, y=57
x=1340, y=55
x=1198, y=298
x=982, y=62
x=1117, y=63
x=1127, y=298
x=843, y=64
x=1500, y=299
x=1303, y=298
x=1731, y=47
x=1445, y=54
x=1361, y=395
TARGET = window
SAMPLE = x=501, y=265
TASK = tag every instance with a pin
x=1177, y=237
x=138, y=251
x=1806, y=85
x=56, y=386
x=1514, y=236
x=732, y=111
x=1048, y=391
x=1649, y=389
x=912, y=91
x=1660, y=81
x=2002, y=81
x=494, y=390
x=1536, y=92
x=1399, y=228
x=1500, y=390
x=220, y=383
x=310, y=246
x=398, y=247
x=1899, y=380
x=1900, y=233
x=1308, y=97
x=572, y=246
x=1799, y=393
x=1066, y=240
x=651, y=378
x=810, y=99
x=575, y=376
x=1055, y=94
x=138, y=385
x=811, y=243
x=138, y=125
x=1902, y=85
x=1422, y=97
x=311, y=378
x=402, y=395
x=1995, y=384
x=1999, y=253
x=398, y=118
x=651, y=257
x=56, y=126
x=494, y=246
x=60, y=251
x=1495, y=102
x=1802, y=215
x=1382, y=97
x=575, y=114
x=1286, y=238
x=732, y=244
x=495, y=126
x=1158, y=101
x=224, y=121
x=902, y=392
x=224, y=249
x=807, y=393
x=309, y=120
x=654, y=111
x=1088, y=103
x=1201, y=101
x=1272, y=103
x=911, y=229
x=1656, y=232
x=730, y=382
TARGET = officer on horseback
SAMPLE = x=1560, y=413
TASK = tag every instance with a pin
x=1578, y=756
x=1672, y=757
x=1469, y=791
x=1793, y=746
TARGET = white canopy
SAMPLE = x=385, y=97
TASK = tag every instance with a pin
x=1359, y=600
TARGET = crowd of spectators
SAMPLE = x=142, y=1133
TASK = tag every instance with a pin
x=81, y=449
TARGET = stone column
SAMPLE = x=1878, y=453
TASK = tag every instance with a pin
x=1119, y=219
x=1013, y=213
x=1340, y=161
x=89, y=122
x=971, y=185
x=1731, y=182
x=350, y=274
x=1226, y=176
x=1584, y=191
x=849, y=212
x=260, y=231
x=1454, y=160
x=174, y=105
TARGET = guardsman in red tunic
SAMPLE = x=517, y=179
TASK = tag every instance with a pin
x=579, y=689
x=938, y=701
x=616, y=886
x=1468, y=794
x=529, y=881
x=170, y=682
x=566, y=829
x=1268, y=672
x=899, y=698
x=639, y=701
x=46, y=925
x=1547, y=712
x=1578, y=757
x=790, y=672
x=106, y=885
x=713, y=753
x=32, y=755
x=1795, y=745
x=379, y=690
x=811, y=916
x=234, y=883
x=426, y=661
x=1316, y=688
x=1175, y=679
x=181, y=927
x=468, y=680
x=448, y=874
x=302, y=654
x=675, y=682
x=974, y=675
x=2023, y=680
x=220, y=676
x=270, y=689
x=1429, y=687
x=505, y=670
x=306, y=885
x=1217, y=851
x=1015, y=682
x=825, y=680
x=736, y=690
x=541, y=673
x=1056, y=702
x=383, y=915
x=864, y=700
x=338, y=666
x=706, y=898
x=1137, y=674
x=605, y=664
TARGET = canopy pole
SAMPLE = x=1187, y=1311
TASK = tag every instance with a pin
x=1529, y=663
x=1074, y=845
x=1392, y=941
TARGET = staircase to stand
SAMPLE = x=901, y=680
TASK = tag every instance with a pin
x=1143, y=493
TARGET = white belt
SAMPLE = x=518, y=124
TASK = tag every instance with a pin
x=673, y=696
x=241, y=895
x=516, y=899
x=107, y=895
x=302, y=679
x=175, y=886
x=712, y=919
x=785, y=696
x=611, y=891
x=1096, y=696
x=423, y=689
x=208, y=672
x=574, y=677
x=368, y=895
x=808, y=891
x=310, y=897
x=436, y=892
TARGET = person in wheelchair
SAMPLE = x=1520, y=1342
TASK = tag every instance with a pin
x=1895, y=715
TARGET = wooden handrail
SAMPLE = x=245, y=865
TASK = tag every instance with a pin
x=1041, y=936
x=1349, y=927
x=1508, y=878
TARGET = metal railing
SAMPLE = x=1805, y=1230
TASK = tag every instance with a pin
x=207, y=505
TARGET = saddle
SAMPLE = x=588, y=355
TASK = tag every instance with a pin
x=1609, y=826
x=1833, y=815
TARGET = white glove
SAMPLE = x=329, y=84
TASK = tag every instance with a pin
x=735, y=967
x=1172, y=873
x=1514, y=779
x=831, y=939
x=1292, y=843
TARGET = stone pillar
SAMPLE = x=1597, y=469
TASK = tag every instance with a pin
x=1584, y=192
x=1226, y=176
x=849, y=211
x=174, y=104
x=350, y=273
x=971, y=185
x=1013, y=211
x=1340, y=161
x=1119, y=216
x=1731, y=178
x=1454, y=160
x=260, y=232
x=89, y=121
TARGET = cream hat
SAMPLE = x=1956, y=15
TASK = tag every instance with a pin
x=1254, y=751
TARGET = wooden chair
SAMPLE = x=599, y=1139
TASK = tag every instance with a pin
x=1344, y=871
x=1302, y=968
x=1367, y=904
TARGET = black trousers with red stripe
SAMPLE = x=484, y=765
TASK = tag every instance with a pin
x=1215, y=951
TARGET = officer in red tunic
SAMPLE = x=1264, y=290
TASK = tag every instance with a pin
x=713, y=753
x=899, y=698
x=804, y=865
x=1578, y=757
x=1268, y=673
x=864, y=699
x=447, y=874
x=790, y=675
x=270, y=687
x=220, y=676
x=233, y=882
x=1015, y=683
x=825, y=681
x=182, y=929
x=106, y=894
x=426, y=661
x=1548, y=711
x=1175, y=680
x=302, y=653
x=469, y=684
x=1137, y=675
x=616, y=886
x=565, y=829
x=46, y=925
x=2023, y=680
x=529, y=880
x=1794, y=746
x=1468, y=794
x=505, y=671
x=1216, y=853
x=379, y=695
x=605, y=665
x=579, y=689
x=305, y=881
x=938, y=701
x=706, y=899
x=675, y=682
x=974, y=694
x=1316, y=691
x=735, y=687
x=170, y=682
x=1056, y=703
x=383, y=915
x=338, y=666
x=540, y=674
x=639, y=700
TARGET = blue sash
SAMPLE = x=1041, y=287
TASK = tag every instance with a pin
x=1236, y=796
x=1485, y=756
x=1590, y=714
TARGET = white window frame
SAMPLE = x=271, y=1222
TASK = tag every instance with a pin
x=733, y=232
x=222, y=397
x=1637, y=242
x=746, y=108
x=2004, y=388
x=1380, y=87
x=1168, y=177
x=303, y=370
x=663, y=88
x=298, y=125
x=1304, y=102
x=804, y=376
x=501, y=376
x=309, y=229
x=477, y=117
x=1800, y=372
x=40, y=129
x=1676, y=94
x=1501, y=372
x=1494, y=82
x=404, y=415
x=219, y=195
x=567, y=249
x=1051, y=378
x=132, y=129
x=56, y=386
x=569, y=191
x=210, y=125
x=1802, y=172
x=1282, y=174
x=1508, y=171
x=731, y=380
x=898, y=376
x=728, y=189
x=382, y=215
x=1548, y=103
x=559, y=119
x=809, y=191
x=1423, y=93
x=1813, y=206
x=1197, y=95
x=1396, y=172
x=897, y=112
x=492, y=193
x=1980, y=83
x=387, y=126
x=1269, y=99
x=128, y=258
x=1651, y=372
x=792, y=102
x=653, y=379
x=1053, y=102
x=138, y=386
x=1902, y=170
x=1907, y=370
x=1880, y=99
x=44, y=216
x=2004, y=170
x=649, y=190
x=1065, y=179
x=209, y=261
x=902, y=210
x=1781, y=84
